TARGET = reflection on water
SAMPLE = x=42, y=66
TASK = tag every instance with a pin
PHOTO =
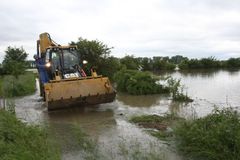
x=108, y=123
x=219, y=87
x=141, y=100
x=92, y=120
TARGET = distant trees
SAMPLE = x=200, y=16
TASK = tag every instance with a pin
x=162, y=63
x=156, y=64
x=130, y=62
x=1, y=70
x=14, y=62
x=209, y=63
x=232, y=63
x=98, y=55
x=177, y=59
x=147, y=64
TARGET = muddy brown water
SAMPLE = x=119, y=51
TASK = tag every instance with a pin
x=108, y=125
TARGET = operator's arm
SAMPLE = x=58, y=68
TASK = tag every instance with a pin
x=40, y=64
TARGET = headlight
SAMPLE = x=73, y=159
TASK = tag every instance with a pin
x=85, y=62
x=48, y=64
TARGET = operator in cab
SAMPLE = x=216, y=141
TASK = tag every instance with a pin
x=40, y=64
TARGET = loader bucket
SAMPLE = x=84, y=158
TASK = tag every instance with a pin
x=78, y=92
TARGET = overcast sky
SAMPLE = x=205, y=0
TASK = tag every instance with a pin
x=193, y=28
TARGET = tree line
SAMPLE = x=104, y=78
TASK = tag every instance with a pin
x=99, y=55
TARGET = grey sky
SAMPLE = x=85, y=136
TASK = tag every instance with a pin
x=193, y=28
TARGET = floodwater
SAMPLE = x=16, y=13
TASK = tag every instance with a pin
x=108, y=125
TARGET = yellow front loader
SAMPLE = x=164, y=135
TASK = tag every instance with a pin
x=67, y=84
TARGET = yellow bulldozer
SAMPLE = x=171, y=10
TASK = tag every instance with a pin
x=68, y=85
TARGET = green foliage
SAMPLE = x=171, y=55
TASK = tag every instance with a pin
x=24, y=142
x=232, y=63
x=95, y=52
x=160, y=124
x=14, y=62
x=137, y=82
x=9, y=106
x=109, y=66
x=166, y=119
x=177, y=59
x=2, y=72
x=210, y=62
x=162, y=63
x=130, y=62
x=11, y=87
x=147, y=64
x=176, y=90
x=1, y=86
x=142, y=83
x=214, y=137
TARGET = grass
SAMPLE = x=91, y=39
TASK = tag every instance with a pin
x=135, y=151
x=168, y=119
x=161, y=124
x=12, y=87
x=21, y=141
x=214, y=137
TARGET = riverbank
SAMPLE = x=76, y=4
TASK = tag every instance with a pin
x=214, y=137
x=23, y=85
x=19, y=140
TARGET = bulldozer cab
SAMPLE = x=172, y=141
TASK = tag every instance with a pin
x=63, y=62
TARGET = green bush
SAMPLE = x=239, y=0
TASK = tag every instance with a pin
x=176, y=90
x=137, y=82
x=142, y=83
x=21, y=141
x=214, y=137
x=24, y=85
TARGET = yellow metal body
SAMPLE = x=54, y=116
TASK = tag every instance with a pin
x=62, y=93
x=77, y=92
x=45, y=42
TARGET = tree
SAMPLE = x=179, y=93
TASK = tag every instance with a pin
x=146, y=63
x=14, y=62
x=177, y=59
x=162, y=63
x=109, y=66
x=130, y=62
x=98, y=56
x=93, y=51
x=233, y=63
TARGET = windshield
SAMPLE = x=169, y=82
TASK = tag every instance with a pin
x=70, y=59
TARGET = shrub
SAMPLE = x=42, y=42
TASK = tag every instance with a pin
x=142, y=83
x=21, y=141
x=137, y=82
x=25, y=84
x=214, y=137
x=176, y=90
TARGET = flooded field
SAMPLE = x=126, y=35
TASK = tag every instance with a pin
x=108, y=125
